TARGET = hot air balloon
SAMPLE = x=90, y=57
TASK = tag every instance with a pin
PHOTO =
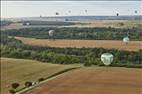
x=27, y=23
x=86, y=11
x=117, y=14
x=51, y=33
x=136, y=11
x=57, y=13
x=69, y=11
x=126, y=40
x=107, y=58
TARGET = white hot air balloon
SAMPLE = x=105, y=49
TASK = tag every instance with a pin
x=51, y=33
x=126, y=40
x=107, y=58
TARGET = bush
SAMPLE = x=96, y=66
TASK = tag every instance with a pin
x=15, y=85
x=41, y=79
x=87, y=64
x=11, y=91
x=28, y=84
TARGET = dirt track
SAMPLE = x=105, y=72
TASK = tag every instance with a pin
x=64, y=43
x=95, y=80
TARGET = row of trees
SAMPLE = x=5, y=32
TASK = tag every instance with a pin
x=12, y=47
x=14, y=86
x=49, y=23
x=5, y=23
x=79, y=33
x=86, y=56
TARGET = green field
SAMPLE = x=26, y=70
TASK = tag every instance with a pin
x=21, y=70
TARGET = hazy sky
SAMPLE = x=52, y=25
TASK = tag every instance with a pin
x=49, y=8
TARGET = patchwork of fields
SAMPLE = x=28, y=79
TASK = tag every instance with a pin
x=86, y=80
x=22, y=70
x=95, y=80
x=64, y=43
x=110, y=23
x=94, y=23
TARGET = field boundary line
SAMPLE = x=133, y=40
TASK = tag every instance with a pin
x=56, y=75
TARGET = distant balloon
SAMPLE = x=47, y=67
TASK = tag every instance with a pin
x=51, y=33
x=69, y=11
x=126, y=40
x=136, y=11
x=107, y=58
x=117, y=14
x=86, y=11
x=27, y=23
x=57, y=13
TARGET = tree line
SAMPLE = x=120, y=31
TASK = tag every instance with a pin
x=11, y=47
x=79, y=33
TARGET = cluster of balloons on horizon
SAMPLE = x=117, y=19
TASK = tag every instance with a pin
x=117, y=14
x=69, y=12
x=57, y=13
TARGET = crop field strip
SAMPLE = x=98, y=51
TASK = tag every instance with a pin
x=64, y=43
x=22, y=70
x=94, y=80
x=94, y=23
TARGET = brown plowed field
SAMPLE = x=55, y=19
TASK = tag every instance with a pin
x=64, y=43
x=95, y=80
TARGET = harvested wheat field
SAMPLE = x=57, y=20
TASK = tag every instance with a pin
x=94, y=80
x=22, y=70
x=90, y=24
x=64, y=43
x=109, y=23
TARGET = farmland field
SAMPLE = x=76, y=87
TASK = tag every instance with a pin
x=110, y=23
x=94, y=23
x=110, y=44
x=22, y=70
x=94, y=80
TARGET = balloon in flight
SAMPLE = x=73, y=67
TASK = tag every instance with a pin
x=57, y=13
x=69, y=11
x=117, y=14
x=126, y=40
x=136, y=11
x=51, y=33
x=107, y=58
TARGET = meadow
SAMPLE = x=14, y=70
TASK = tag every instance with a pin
x=22, y=70
x=94, y=80
x=89, y=24
x=70, y=47
x=67, y=43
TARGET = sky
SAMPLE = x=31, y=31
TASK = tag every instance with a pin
x=11, y=9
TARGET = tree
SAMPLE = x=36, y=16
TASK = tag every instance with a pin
x=28, y=84
x=41, y=79
x=15, y=85
x=12, y=91
x=87, y=64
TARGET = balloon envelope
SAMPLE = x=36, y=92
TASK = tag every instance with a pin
x=107, y=58
x=135, y=11
x=117, y=14
x=57, y=13
x=125, y=39
x=51, y=32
